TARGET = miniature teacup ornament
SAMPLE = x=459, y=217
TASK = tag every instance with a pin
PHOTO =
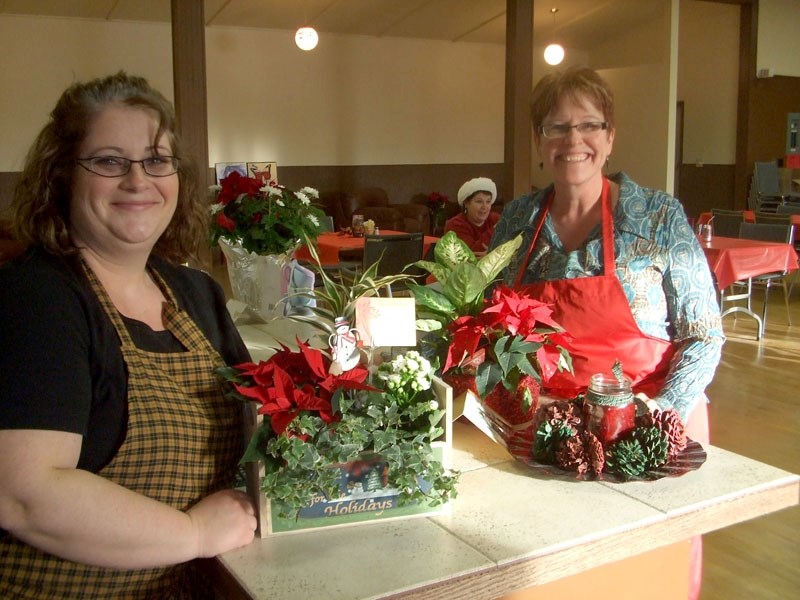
x=344, y=345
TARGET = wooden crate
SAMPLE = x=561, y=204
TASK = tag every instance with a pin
x=360, y=506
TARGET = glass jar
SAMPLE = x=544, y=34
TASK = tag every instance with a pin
x=609, y=409
x=357, y=226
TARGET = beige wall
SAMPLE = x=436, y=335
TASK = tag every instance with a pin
x=354, y=100
x=779, y=37
x=367, y=101
x=708, y=78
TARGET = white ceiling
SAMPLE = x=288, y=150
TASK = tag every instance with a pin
x=579, y=24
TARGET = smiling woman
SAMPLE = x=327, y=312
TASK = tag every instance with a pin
x=107, y=205
x=619, y=263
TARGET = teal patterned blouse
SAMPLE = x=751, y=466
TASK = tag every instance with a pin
x=662, y=269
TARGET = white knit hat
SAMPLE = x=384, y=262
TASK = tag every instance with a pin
x=479, y=184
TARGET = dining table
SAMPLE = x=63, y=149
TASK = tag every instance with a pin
x=739, y=259
x=749, y=217
x=331, y=244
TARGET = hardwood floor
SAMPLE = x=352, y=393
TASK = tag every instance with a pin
x=755, y=411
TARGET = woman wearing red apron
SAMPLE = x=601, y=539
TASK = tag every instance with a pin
x=619, y=263
x=118, y=449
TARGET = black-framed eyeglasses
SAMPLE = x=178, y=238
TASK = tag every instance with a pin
x=118, y=166
x=559, y=130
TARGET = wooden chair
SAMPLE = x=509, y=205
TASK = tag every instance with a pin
x=769, y=232
x=773, y=218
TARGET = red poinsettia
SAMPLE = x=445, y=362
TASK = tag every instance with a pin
x=289, y=383
x=235, y=185
x=513, y=334
x=436, y=199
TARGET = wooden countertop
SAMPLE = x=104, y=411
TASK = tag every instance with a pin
x=510, y=528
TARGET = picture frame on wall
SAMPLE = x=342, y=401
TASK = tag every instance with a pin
x=265, y=171
x=222, y=170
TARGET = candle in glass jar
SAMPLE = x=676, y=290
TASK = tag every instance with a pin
x=609, y=409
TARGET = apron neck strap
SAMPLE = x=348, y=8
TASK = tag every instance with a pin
x=607, y=224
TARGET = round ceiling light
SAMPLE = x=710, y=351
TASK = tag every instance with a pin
x=553, y=54
x=306, y=38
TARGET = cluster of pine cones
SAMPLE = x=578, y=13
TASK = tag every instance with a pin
x=561, y=439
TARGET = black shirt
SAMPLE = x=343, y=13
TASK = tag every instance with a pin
x=61, y=366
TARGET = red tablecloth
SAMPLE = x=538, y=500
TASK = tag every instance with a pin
x=732, y=259
x=329, y=245
x=749, y=216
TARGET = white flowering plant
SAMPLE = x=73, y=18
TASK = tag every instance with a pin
x=264, y=218
x=314, y=420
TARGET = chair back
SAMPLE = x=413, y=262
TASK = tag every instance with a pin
x=767, y=179
x=765, y=188
x=775, y=218
x=327, y=223
x=788, y=208
x=767, y=232
x=395, y=253
x=726, y=222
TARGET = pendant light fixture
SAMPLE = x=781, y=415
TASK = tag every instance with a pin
x=554, y=53
x=306, y=37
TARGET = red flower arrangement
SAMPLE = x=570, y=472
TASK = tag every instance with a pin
x=314, y=422
x=264, y=218
x=292, y=382
x=436, y=204
x=511, y=346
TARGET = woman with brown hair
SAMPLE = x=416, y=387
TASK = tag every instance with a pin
x=117, y=447
x=618, y=262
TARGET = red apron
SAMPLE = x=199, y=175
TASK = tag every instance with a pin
x=596, y=312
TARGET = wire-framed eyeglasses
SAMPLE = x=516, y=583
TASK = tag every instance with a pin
x=118, y=166
x=555, y=131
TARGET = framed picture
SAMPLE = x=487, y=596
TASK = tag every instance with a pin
x=266, y=171
x=224, y=169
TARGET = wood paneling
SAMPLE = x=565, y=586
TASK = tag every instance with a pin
x=706, y=187
x=401, y=182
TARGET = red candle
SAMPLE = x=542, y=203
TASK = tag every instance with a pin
x=609, y=409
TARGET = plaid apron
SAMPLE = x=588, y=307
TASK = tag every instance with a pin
x=183, y=442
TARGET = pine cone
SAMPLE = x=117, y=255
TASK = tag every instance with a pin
x=562, y=411
x=594, y=450
x=572, y=456
x=654, y=443
x=670, y=422
x=549, y=436
x=626, y=458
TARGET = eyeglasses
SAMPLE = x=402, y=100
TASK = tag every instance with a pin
x=556, y=131
x=117, y=166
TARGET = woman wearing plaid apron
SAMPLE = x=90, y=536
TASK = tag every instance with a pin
x=117, y=447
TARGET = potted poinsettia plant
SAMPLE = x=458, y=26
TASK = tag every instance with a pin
x=501, y=348
x=336, y=440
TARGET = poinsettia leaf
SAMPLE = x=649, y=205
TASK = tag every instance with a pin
x=487, y=377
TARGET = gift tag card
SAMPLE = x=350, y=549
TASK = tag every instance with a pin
x=386, y=321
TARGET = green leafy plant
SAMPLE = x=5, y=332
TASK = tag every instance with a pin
x=338, y=297
x=463, y=280
x=315, y=421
